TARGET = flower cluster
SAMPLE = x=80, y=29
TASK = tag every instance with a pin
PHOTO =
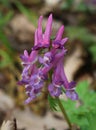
x=45, y=61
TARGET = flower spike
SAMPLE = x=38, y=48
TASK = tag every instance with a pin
x=43, y=59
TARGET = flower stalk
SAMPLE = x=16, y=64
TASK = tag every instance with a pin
x=64, y=113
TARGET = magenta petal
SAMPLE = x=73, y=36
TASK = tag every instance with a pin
x=39, y=30
x=59, y=33
x=43, y=40
x=48, y=29
x=26, y=53
x=33, y=56
x=60, y=55
x=63, y=41
x=58, y=43
x=36, y=38
x=25, y=57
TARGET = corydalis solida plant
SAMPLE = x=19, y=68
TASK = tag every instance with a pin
x=46, y=56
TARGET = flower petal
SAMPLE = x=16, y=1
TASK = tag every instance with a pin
x=59, y=33
x=48, y=29
x=39, y=30
x=72, y=94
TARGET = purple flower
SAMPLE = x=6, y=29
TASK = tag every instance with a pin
x=59, y=42
x=43, y=40
x=34, y=86
x=28, y=62
x=59, y=80
x=26, y=74
x=54, y=90
x=36, y=81
x=29, y=59
x=69, y=86
x=42, y=63
x=72, y=94
x=51, y=58
x=55, y=87
x=47, y=59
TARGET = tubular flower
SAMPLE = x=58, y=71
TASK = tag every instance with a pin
x=68, y=86
x=59, y=42
x=43, y=40
x=37, y=65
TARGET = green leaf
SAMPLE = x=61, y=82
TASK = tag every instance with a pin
x=52, y=103
x=85, y=114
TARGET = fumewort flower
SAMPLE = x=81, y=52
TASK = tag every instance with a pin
x=42, y=40
x=45, y=61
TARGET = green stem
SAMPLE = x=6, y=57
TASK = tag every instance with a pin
x=64, y=113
